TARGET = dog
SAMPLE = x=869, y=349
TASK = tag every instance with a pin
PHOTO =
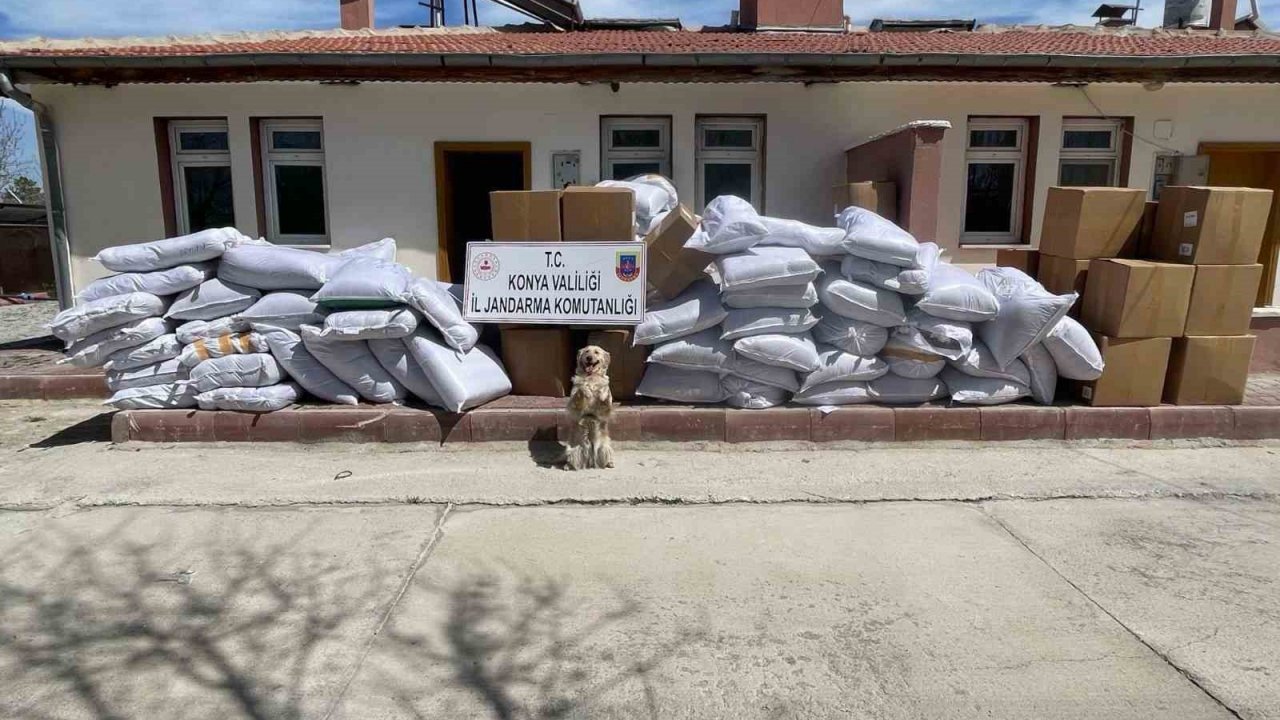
x=590, y=407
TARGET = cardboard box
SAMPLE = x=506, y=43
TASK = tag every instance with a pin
x=627, y=362
x=1134, y=376
x=1028, y=261
x=1208, y=370
x=1210, y=225
x=672, y=267
x=880, y=198
x=1063, y=275
x=1137, y=298
x=1222, y=299
x=599, y=214
x=525, y=215
x=539, y=360
x=1094, y=222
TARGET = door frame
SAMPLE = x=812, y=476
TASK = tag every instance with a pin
x=444, y=189
x=1270, y=257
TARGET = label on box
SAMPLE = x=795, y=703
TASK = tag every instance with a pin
x=1191, y=219
x=1186, y=249
x=1086, y=392
x=585, y=283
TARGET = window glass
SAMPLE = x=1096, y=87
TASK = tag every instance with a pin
x=637, y=138
x=624, y=170
x=300, y=199
x=295, y=140
x=993, y=138
x=1087, y=140
x=1085, y=174
x=723, y=178
x=990, y=203
x=737, y=138
x=208, y=198
x=203, y=140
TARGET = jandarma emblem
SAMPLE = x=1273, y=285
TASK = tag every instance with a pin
x=628, y=268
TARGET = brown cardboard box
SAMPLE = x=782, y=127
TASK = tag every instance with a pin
x=1208, y=370
x=603, y=214
x=539, y=360
x=1222, y=298
x=1137, y=298
x=1028, y=261
x=672, y=267
x=1210, y=225
x=1063, y=275
x=627, y=366
x=525, y=215
x=1087, y=223
x=880, y=198
x=1134, y=376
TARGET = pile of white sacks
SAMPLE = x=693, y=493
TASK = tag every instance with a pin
x=223, y=322
x=859, y=313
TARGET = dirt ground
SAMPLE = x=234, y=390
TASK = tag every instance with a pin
x=25, y=322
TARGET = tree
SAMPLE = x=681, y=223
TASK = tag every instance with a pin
x=26, y=190
x=13, y=162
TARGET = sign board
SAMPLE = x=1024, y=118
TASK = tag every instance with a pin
x=579, y=283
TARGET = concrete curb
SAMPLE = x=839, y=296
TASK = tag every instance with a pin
x=53, y=387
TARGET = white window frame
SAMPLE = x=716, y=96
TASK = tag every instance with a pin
x=271, y=159
x=609, y=155
x=1111, y=154
x=1016, y=156
x=181, y=159
x=708, y=155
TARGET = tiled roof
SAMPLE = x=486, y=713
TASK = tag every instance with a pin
x=1010, y=41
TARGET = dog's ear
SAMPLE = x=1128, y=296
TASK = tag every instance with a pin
x=578, y=358
x=608, y=359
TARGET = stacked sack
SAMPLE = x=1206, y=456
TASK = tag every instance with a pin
x=858, y=313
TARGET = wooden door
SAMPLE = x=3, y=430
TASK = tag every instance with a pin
x=465, y=174
x=1254, y=165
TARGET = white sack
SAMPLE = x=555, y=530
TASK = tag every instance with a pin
x=161, y=282
x=81, y=321
x=857, y=301
x=843, y=392
x=355, y=365
x=897, y=390
x=190, y=332
x=908, y=281
x=231, y=344
x=839, y=366
x=818, y=241
x=211, y=300
x=390, y=324
x=256, y=370
x=275, y=267
x=384, y=249
x=761, y=321
x=970, y=390
x=161, y=254
x=704, y=351
x=1006, y=282
x=979, y=362
x=794, y=352
x=758, y=372
x=681, y=386
x=872, y=237
x=1024, y=320
x=462, y=380
x=1043, y=372
x=907, y=361
x=653, y=198
x=696, y=309
x=956, y=295
x=365, y=282
x=732, y=225
x=443, y=310
x=154, y=397
x=852, y=336
x=394, y=357
x=250, y=399
x=100, y=346
x=950, y=339
x=288, y=349
x=165, y=372
x=1074, y=351
x=284, y=308
x=794, y=297
x=748, y=395
x=764, y=266
x=148, y=353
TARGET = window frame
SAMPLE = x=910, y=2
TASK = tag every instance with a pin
x=610, y=155
x=707, y=155
x=1017, y=156
x=1111, y=155
x=180, y=159
x=272, y=158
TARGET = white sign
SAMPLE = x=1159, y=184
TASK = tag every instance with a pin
x=582, y=283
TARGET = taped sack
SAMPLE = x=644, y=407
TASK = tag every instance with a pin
x=970, y=390
x=839, y=366
x=695, y=310
x=443, y=310
x=732, y=225
x=818, y=241
x=365, y=283
x=165, y=372
x=956, y=295
x=857, y=301
x=355, y=365
x=96, y=349
x=211, y=300
x=394, y=357
x=250, y=399
x=84, y=320
x=852, y=336
x=162, y=254
x=897, y=390
x=681, y=386
x=256, y=370
x=1074, y=351
x=950, y=339
x=763, y=321
x=794, y=352
x=747, y=395
x=979, y=362
x=148, y=353
x=154, y=397
x=287, y=348
x=704, y=351
x=907, y=361
x=792, y=297
x=391, y=324
x=161, y=282
x=231, y=344
x=197, y=329
x=845, y=392
x=284, y=308
x=870, y=236
x=766, y=266
x=465, y=380
x=1043, y=373
x=779, y=377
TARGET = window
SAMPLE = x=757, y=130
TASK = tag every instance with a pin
x=631, y=146
x=201, y=157
x=293, y=180
x=1090, y=155
x=995, y=168
x=730, y=159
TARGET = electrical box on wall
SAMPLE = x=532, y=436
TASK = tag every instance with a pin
x=1179, y=170
x=566, y=168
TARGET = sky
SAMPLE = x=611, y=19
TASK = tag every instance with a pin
x=105, y=18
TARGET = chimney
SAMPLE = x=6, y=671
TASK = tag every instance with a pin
x=356, y=14
x=1222, y=15
x=792, y=14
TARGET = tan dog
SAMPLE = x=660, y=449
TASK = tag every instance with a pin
x=590, y=406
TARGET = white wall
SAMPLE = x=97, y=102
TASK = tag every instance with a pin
x=379, y=138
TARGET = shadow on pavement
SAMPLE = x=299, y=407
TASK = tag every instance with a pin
x=95, y=429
